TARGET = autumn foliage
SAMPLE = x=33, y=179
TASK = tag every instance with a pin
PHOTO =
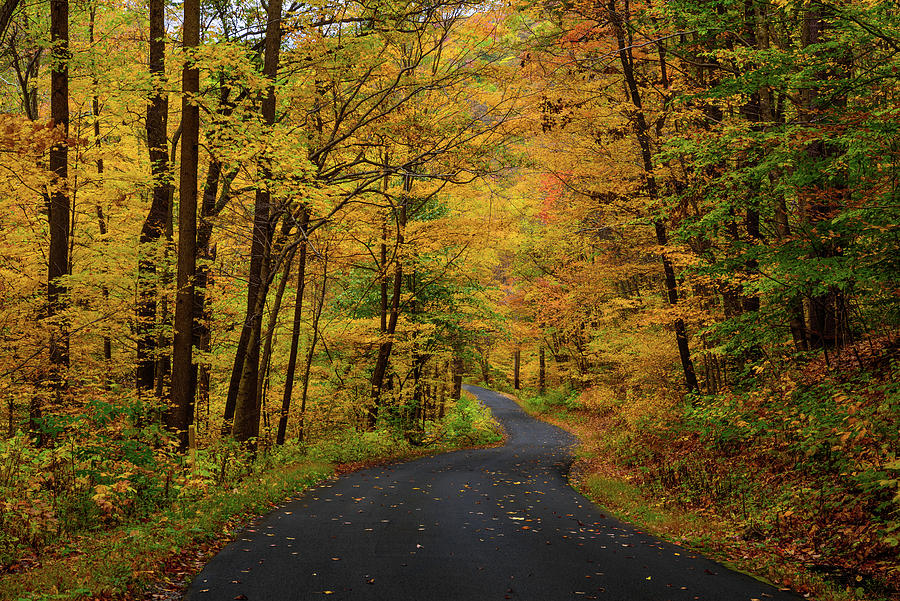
x=300, y=228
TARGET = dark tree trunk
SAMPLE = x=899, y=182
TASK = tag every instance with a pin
x=59, y=205
x=204, y=280
x=157, y=218
x=6, y=13
x=542, y=372
x=58, y=208
x=384, y=349
x=457, y=377
x=247, y=403
x=101, y=218
x=184, y=371
x=164, y=339
x=643, y=138
x=827, y=312
x=310, y=354
x=295, y=333
x=517, y=357
x=485, y=364
x=266, y=357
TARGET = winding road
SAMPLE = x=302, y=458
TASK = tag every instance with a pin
x=480, y=525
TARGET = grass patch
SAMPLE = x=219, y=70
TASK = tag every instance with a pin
x=625, y=501
x=125, y=560
x=137, y=542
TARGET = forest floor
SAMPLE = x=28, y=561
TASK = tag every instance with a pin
x=609, y=475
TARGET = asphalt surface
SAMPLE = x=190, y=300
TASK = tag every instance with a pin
x=479, y=525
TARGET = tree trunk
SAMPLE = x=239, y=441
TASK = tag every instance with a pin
x=266, y=356
x=59, y=205
x=101, y=218
x=317, y=313
x=295, y=333
x=542, y=372
x=442, y=392
x=643, y=138
x=457, y=377
x=204, y=279
x=246, y=410
x=155, y=224
x=184, y=371
x=517, y=356
x=247, y=403
x=6, y=13
x=384, y=349
x=484, y=363
x=827, y=312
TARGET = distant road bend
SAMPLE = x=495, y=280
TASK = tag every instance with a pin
x=481, y=525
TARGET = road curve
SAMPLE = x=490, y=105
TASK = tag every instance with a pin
x=479, y=525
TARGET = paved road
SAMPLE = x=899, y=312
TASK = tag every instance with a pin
x=480, y=525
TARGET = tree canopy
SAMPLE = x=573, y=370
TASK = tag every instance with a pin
x=238, y=226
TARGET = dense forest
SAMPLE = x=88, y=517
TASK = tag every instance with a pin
x=241, y=240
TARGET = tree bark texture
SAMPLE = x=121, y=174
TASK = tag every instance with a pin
x=517, y=357
x=247, y=403
x=184, y=371
x=155, y=224
x=59, y=203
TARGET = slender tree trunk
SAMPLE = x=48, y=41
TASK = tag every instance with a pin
x=372, y=411
x=643, y=137
x=157, y=218
x=827, y=313
x=384, y=278
x=164, y=338
x=246, y=409
x=295, y=333
x=101, y=218
x=442, y=391
x=484, y=362
x=247, y=403
x=317, y=314
x=6, y=12
x=266, y=357
x=384, y=349
x=542, y=372
x=234, y=382
x=184, y=371
x=213, y=201
x=517, y=357
x=204, y=279
x=457, y=376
